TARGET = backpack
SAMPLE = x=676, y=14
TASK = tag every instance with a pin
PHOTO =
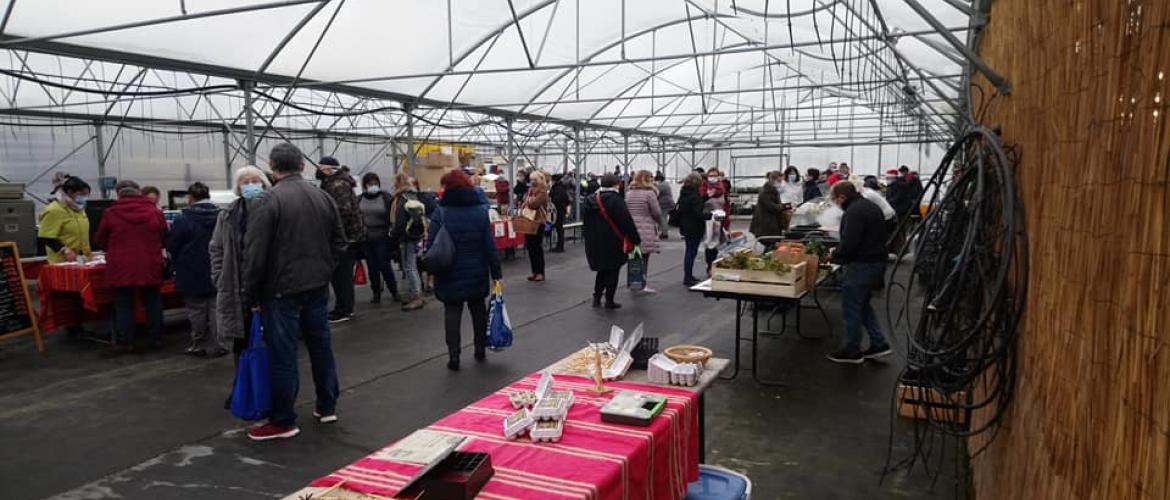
x=416, y=225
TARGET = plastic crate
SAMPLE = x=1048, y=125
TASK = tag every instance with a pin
x=717, y=483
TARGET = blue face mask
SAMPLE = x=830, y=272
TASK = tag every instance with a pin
x=373, y=189
x=80, y=200
x=250, y=191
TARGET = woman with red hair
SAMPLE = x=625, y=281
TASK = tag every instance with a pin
x=463, y=211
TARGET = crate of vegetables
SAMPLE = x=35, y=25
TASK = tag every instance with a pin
x=758, y=274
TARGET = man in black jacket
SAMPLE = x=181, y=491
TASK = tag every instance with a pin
x=293, y=242
x=188, y=243
x=337, y=181
x=862, y=255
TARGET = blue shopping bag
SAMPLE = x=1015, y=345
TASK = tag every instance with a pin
x=252, y=393
x=499, y=326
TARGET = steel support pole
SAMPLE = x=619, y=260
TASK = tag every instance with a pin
x=693, y=163
x=249, y=121
x=510, y=153
x=565, y=161
x=579, y=177
x=410, y=149
x=227, y=157
x=996, y=79
x=320, y=145
x=394, y=157
x=100, y=147
x=626, y=153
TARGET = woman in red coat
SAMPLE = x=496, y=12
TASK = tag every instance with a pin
x=133, y=232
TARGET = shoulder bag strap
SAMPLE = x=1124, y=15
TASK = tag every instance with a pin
x=605, y=215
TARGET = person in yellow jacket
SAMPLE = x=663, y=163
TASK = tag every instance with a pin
x=63, y=226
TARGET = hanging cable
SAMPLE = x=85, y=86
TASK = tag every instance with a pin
x=956, y=303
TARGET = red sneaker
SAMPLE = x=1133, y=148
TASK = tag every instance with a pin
x=269, y=431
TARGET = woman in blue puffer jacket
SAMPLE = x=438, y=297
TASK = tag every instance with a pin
x=463, y=211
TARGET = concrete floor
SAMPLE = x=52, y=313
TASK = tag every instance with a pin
x=81, y=424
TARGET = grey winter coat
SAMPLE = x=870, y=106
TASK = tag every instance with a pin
x=227, y=268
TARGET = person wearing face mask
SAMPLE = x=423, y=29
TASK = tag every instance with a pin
x=812, y=187
x=226, y=258
x=716, y=198
x=63, y=226
x=377, y=212
x=189, y=243
x=768, y=215
x=336, y=181
x=862, y=256
x=791, y=192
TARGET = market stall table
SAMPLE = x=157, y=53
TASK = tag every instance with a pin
x=506, y=235
x=71, y=294
x=593, y=460
x=782, y=303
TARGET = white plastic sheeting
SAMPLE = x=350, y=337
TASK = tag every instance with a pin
x=595, y=61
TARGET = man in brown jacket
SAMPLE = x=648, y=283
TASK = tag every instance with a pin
x=337, y=181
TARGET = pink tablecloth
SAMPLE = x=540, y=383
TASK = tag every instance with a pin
x=593, y=460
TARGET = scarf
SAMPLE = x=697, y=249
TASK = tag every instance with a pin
x=67, y=201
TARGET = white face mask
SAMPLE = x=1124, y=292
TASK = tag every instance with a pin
x=793, y=177
x=713, y=180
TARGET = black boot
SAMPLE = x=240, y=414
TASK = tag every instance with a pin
x=453, y=361
x=609, y=304
x=596, y=301
x=377, y=298
x=480, y=353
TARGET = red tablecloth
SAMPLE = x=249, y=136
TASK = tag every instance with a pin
x=506, y=236
x=593, y=460
x=71, y=294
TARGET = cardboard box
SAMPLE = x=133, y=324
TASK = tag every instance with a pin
x=914, y=401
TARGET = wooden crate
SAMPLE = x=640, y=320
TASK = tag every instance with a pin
x=790, y=284
x=915, y=401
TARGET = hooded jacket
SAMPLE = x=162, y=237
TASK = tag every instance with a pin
x=690, y=213
x=767, y=216
x=465, y=215
x=133, y=232
x=188, y=243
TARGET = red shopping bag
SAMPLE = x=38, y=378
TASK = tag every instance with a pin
x=359, y=274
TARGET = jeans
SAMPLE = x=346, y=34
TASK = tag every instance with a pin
x=692, y=251
x=859, y=282
x=124, y=313
x=377, y=252
x=410, y=269
x=285, y=319
x=606, y=282
x=533, y=244
x=343, y=283
x=453, y=323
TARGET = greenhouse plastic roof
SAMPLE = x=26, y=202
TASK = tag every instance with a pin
x=698, y=70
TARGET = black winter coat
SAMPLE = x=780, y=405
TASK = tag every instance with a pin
x=603, y=247
x=465, y=215
x=812, y=191
x=767, y=217
x=863, y=233
x=559, y=195
x=899, y=196
x=188, y=244
x=690, y=213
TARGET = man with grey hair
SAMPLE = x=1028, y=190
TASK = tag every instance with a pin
x=293, y=242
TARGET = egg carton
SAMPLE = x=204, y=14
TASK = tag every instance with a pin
x=522, y=399
x=518, y=424
x=547, y=431
x=663, y=370
x=551, y=408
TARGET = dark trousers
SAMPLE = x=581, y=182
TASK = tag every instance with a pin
x=692, y=251
x=453, y=323
x=559, y=227
x=858, y=283
x=285, y=320
x=606, y=282
x=711, y=255
x=124, y=313
x=343, y=283
x=533, y=244
x=377, y=253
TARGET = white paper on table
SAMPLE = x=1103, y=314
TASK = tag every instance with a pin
x=511, y=230
x=422, y=447
x=499, y=228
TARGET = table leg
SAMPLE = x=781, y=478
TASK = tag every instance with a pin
x=702, y=428
x=824, y=315
x=756, y=352
x=735, y=361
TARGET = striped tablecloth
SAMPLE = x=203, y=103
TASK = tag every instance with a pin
x=593, y=460
x=70, y=294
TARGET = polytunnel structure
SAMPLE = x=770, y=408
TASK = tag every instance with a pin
x=174, y=91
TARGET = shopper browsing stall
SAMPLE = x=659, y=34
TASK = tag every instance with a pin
x=188, y=244
x=862, y=255
x=690, y=224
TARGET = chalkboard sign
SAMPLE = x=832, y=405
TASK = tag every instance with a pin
x=17, y=316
